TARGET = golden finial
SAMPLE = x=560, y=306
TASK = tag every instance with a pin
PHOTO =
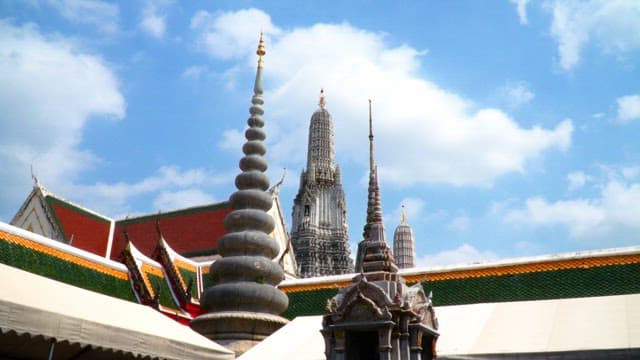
x=261, y=51
x=403, y=216
x=322, y=102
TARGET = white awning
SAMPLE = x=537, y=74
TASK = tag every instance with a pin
x=594, y=327
x=36, y=311
x=300, y=339
x=578, y=325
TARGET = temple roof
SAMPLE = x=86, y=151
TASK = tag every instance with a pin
x=579, y=274
x=58, y=218
x=191, y=231
x=58, y=261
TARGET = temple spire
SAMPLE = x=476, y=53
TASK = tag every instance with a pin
x=242, y=306
x=371, y=154
x=374, y=206
x=373, y=251
x=404, y=243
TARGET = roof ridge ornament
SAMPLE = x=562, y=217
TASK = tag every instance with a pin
x=403, y=215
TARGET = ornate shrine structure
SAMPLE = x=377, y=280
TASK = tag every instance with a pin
x=378, y=316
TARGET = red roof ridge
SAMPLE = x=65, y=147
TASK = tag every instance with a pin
x=46, y=193
x=159, y=215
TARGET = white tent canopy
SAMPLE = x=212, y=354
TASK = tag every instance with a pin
x=39, y=316
x=581, y=328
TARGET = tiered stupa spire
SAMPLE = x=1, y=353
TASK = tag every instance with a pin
x=404, y=243
x=243, y=305
x=373, y=252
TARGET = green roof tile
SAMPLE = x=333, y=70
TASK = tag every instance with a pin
x=555, y=284
x=52, y=267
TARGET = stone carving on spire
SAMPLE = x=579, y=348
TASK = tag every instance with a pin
x=243, y=305
x=319, y=232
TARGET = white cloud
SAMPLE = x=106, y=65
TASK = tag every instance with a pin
x=102, y=14
x=516, y=94
x=168, y=201
x=577, y=180
x=460, y=223
x=521, y=8
x=424, y=133
x=232, y=140
x=41, y=121
x=231, y=35
x=630, y=172
x=614, y=216
x=464, y=254
x=154, y=25
x=153, y=20
x=171, y=187
x=193, y=72
x=628, y=108
x=613, y=25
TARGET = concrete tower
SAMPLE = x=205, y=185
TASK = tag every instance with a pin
x=404, y=244
x=319, y=232
x=243, y=306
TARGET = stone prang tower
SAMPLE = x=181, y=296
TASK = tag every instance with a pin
x=319, y=225
x=404, y=244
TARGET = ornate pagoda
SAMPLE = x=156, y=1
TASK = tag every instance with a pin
x=378, y=316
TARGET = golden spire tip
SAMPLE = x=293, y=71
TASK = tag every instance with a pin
x=322, y=101
x=261, y=50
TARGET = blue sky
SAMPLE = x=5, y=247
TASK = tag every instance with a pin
x=506, y=128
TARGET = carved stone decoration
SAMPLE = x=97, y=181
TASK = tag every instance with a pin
x=319, y=231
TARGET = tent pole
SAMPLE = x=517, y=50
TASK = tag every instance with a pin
x=52, y=348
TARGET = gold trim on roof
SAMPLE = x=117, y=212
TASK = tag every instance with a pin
x=29, y=244
x=544, y=266
x=179, y=264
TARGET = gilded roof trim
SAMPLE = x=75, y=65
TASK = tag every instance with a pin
x=42, y=248
x=611, y=257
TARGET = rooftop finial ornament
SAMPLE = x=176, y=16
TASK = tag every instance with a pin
x=261, y=51
x=322, y=101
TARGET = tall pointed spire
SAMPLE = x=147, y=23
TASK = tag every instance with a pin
x=374, y=206
x=243, y=305
x=373, y=252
